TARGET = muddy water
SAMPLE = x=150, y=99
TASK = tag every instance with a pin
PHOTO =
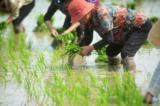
x=146, y=59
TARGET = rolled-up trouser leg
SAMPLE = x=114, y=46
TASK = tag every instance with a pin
x=154, y=86
x=133, y=44
x=24, y=11
x=129, y=63
x=19, y=28
x=112, y=51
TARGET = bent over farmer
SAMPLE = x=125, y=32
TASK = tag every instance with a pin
x=19, y=9
x=62, y=5
x=123, y=30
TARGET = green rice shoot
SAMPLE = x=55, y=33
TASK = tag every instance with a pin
x=71, y=49
x=3, y=25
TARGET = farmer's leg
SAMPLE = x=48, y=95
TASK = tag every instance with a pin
x=154, y=86
x=112, y=51
x=24, y=11
x=80, y=32
x=133, y=44
x=67, y=23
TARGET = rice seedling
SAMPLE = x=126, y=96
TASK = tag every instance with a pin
x=71, y=49
x=11, y=42
x=122, y=5
x=131, y=6
x=40, y=24
x=3, y=25
x=69, y=87
x=115, y=4
x=102, y=51
x=154, y=19
x=1, y=41
x=67, y=38
x=146, y=42
x=3, y=65
x=102, y=59
x=29, y=44
x=50, y=0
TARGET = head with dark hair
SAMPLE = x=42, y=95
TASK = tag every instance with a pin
x=60, y=3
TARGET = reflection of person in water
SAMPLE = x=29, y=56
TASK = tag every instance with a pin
x=123, y=30
x=19, y=9
x=154, y=86
x=62, y=5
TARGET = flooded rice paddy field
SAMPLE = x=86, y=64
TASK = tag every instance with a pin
x=32, y=73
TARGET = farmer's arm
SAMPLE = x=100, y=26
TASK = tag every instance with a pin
x=14, y=12
x=10, y=19
x=107, y=39
x=106, y=26
x=71, y=28
x=88, y=37
x=47, y=18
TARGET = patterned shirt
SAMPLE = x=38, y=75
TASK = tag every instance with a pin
x=13, y=6
x=65, y=9
x=121, y=21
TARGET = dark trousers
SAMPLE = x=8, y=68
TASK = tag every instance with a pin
x=133, y=44
x=24, y=11
x=79, y=30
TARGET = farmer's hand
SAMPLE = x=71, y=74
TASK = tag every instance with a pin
x=10, y=19
x=85, y=50
x=54, y=33
x=61, y=35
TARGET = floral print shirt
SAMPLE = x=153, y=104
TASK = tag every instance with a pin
x=121, y=21
x=13, y=6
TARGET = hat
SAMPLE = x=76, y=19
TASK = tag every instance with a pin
x=78, y=9
x=60, y=3
x=154, y=35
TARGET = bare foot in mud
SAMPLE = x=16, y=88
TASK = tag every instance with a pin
x=148, y=98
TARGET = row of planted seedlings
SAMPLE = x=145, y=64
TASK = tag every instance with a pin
x=50, y=82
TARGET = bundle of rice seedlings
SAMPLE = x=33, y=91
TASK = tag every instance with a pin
x=71, y=49
x=60, y=30
x=102, y=51
x=102, y=59
x=3, y=25
x=154, y=19
x=68, y=38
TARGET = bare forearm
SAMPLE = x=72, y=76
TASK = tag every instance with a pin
x=71, y=28
x=10, y=19
x=49, y=25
